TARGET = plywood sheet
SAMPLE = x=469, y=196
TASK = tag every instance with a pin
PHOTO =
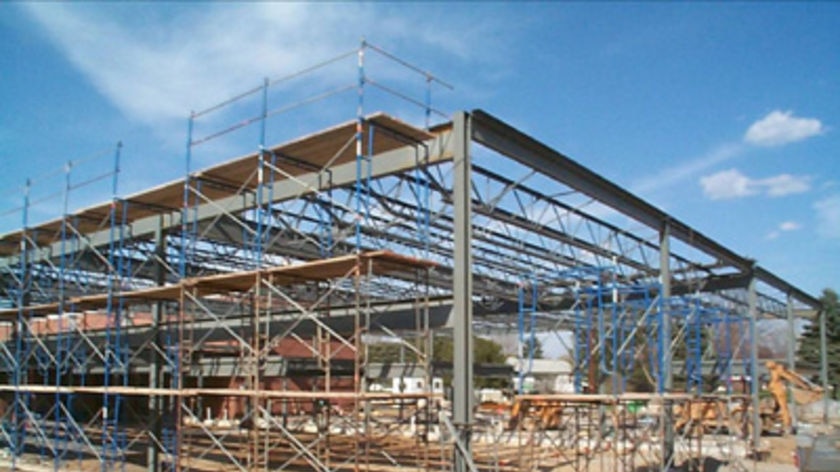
x=303, y=155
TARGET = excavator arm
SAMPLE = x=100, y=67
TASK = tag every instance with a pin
x=779, y=375
x=798, y=380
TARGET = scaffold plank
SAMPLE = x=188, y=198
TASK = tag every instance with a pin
x=220, y=392
x=316, y=150
x=381, y=263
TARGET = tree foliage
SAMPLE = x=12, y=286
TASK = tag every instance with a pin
x=485, y=351
x=808, y=356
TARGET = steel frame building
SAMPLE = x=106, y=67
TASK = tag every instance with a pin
x=222, y=321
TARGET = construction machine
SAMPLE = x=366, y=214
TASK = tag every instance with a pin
x=716, y=413
x=804, y=392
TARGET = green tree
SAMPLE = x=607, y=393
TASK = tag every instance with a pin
x=485, y=351
x=808, y=356
x=389, y=352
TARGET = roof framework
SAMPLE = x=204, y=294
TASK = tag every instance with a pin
x=519, y=229
x=372, y=226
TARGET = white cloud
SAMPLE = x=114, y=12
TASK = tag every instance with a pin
x=781, y=127
x=784, y=184
x=775, y=129
x=682, y=172
x=789, y=226
x=732, y=183
x=158, y=64
x=785, y=226
x=727, y=184
x=828, y=216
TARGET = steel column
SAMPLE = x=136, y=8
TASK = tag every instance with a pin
x=462, y=292
x=791, y=344
x=155, y=412
x=824, y=363
x=665, y=363
x=752, y=303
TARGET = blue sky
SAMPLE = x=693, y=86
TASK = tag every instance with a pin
x=724, y=115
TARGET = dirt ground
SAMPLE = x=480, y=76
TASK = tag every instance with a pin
x=781, y=449
x=780, y=459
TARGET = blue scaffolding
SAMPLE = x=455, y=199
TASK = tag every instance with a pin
x=609, y=319
x=707, y=329
x=84, y=334
x=49, y=351
x=527, y=301
x=115, y=351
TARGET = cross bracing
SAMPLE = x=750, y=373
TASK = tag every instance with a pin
x=298, y=251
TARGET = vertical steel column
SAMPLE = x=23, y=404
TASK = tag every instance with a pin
x=752, y=303
x=462, y=291
x=824, y=363
x=791, y=345
x=665, y=341
x=155, y=401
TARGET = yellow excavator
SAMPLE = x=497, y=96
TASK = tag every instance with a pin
x=804, y=392
x=716, y=414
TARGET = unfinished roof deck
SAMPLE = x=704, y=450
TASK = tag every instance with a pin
x=310, y=153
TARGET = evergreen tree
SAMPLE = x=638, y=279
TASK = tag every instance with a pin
x=808, y=356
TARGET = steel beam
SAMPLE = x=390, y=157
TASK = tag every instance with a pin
x=774, y=281
x=399, y=316
x=497, y=135
x=387, y=163
x=503, y=138
x=462, y=293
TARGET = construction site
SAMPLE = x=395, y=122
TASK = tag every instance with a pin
x=223, y=321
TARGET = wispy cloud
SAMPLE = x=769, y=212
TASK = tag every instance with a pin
x=782, y=127
x=731, y=183
x=775, y=129
x=828, y=216
x=784, y=184
x=687, y=170
x=783, y=227
x=789, y=226
x=727, y=184
x=195, y=56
